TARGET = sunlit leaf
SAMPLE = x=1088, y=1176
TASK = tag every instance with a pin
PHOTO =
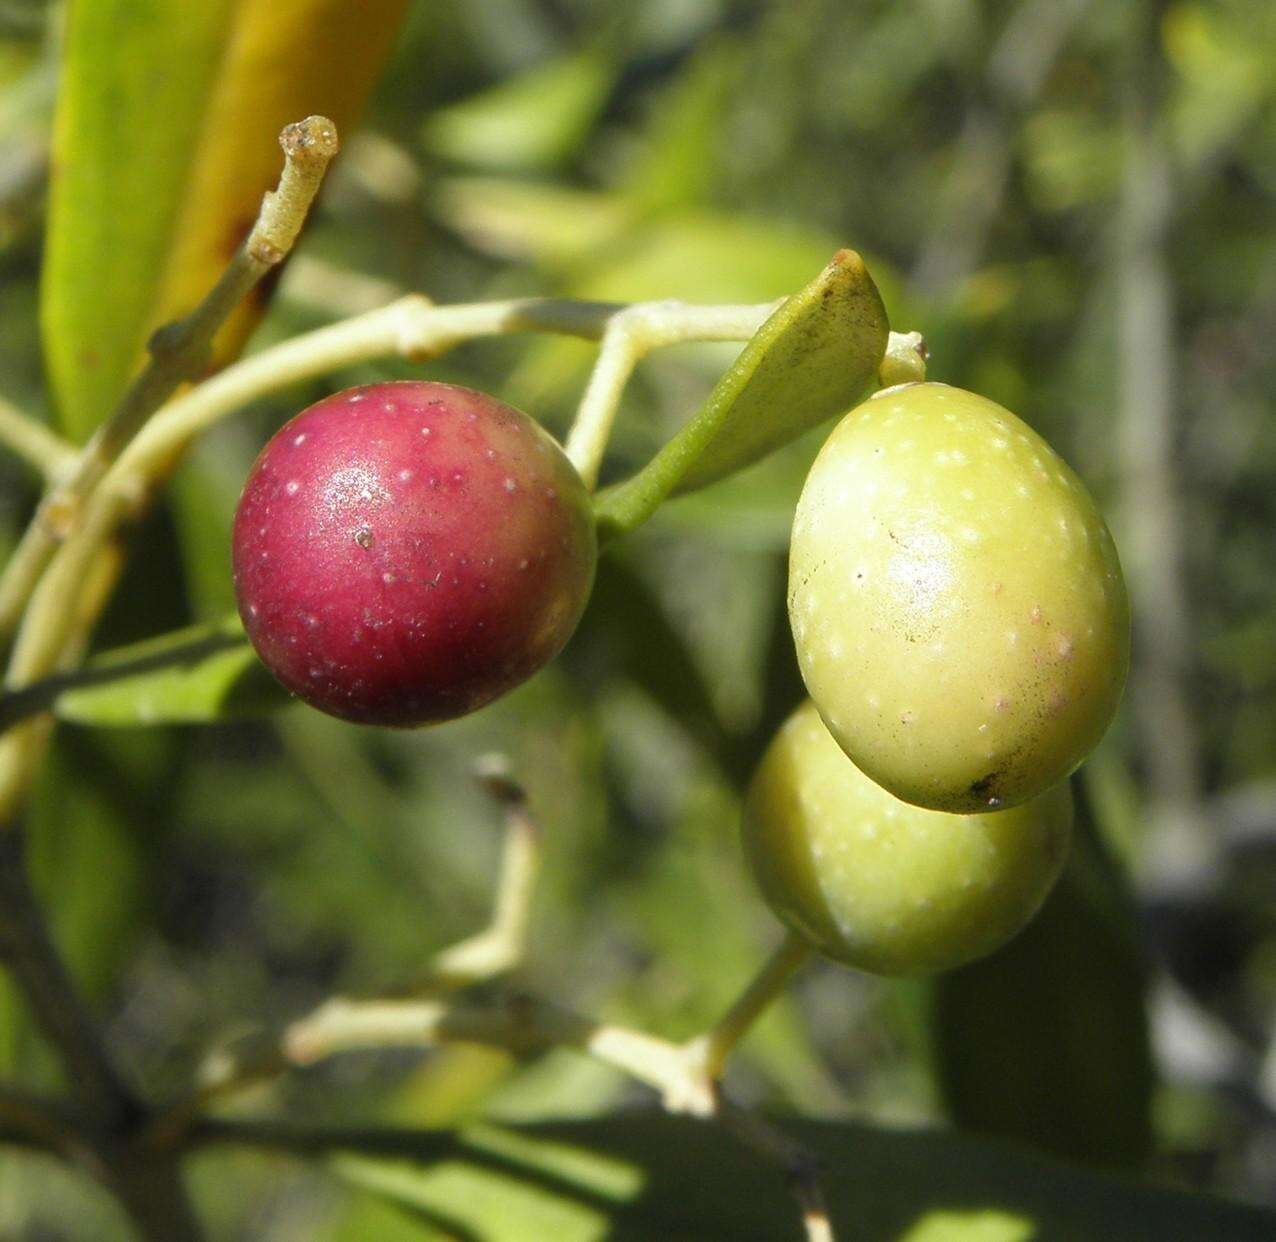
x=682, y=146
x=283, y=61
x=122, y=151
x=517, y=219
x=644, y=1176
x=166, y=139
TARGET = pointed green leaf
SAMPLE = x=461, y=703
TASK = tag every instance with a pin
x=808, y=362
x=193, y=676
x=534, y=120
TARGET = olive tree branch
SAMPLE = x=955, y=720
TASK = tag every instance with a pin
x=500, y=946
x=686, y=1075
x=109, y=1112
x=490, y=953
x=35, y=1121
x=179, y=352
x=33, y=442
x=523, y=1024
x=56, y=623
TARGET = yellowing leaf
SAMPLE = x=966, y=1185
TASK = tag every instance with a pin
x=165, y=140
x=285, y=60
x=135, y=77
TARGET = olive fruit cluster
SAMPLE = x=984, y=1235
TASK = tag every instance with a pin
x=406, y=552
x=962, y=628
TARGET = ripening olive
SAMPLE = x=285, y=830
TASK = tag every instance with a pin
x=881, y=884
x=406, y=552
x=956, y=600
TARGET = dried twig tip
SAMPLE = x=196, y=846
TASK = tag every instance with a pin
x=315, y=139
x=493, y=773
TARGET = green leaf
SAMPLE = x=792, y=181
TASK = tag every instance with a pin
x=808, y=362
x=642, y=1176
x=87, y=865
x=549, y=224
x=535, y=120
x=193, y=676
x=165, y=141
x=135, y=78
x=681, y=150
x=1046, y=1042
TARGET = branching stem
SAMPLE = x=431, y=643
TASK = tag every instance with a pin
x=178, y=352
x=631, y=335
x=716, y=1045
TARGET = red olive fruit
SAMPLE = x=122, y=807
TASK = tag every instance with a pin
x=405, y=553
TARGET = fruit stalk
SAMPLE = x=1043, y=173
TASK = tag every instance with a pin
x=715, y=1046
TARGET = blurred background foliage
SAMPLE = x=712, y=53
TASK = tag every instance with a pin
x=1074, y=202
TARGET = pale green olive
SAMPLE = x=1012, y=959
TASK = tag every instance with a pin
x=956, y=600
x=881, y=884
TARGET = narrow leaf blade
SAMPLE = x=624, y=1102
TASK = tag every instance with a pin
x=194, y=676
x=135, y=77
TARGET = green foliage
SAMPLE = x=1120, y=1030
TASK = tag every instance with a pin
x=123, y=150
x=1078, y=991
x=535, y=120
x=978, y=155
x=641, y=1176
x=195, y=676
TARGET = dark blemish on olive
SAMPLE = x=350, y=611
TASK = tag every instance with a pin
x=985, y=789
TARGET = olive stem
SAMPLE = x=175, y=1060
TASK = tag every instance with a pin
x=501, y=945
x=904, y=361
x=629, y=336
x=179, y=351
x=33, y=442
x=411, y=327
x=713, y=1048
x=492, y=952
